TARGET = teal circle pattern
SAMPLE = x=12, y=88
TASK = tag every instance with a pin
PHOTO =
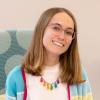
x=16, y=59
x=23, y=38
x=12, y=50
x=5, y=42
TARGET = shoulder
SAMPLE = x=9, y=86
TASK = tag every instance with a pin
x=14, y=81
x=82, y=89
x=85, y=86
x=84, y=74
x=16, y=71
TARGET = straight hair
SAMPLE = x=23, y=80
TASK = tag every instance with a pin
x=70, y=67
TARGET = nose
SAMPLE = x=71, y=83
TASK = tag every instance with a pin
x=62, y=35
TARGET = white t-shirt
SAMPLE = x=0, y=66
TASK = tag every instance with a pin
x=36, y=90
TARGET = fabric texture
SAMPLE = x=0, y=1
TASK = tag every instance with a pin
x=36, y=90
x=15, y=87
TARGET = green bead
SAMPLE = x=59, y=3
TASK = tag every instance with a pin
x=50, y=86
x=55, y=85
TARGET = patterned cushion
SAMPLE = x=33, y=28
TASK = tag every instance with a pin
x=13, y=45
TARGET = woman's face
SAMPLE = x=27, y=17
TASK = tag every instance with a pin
x=58, y=34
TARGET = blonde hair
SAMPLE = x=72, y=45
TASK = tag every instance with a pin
x=69, y=61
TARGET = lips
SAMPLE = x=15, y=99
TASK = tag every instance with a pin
x=58, y=43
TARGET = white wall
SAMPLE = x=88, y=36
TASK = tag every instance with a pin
x=22, y=14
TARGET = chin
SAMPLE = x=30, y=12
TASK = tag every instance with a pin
x=58, y=53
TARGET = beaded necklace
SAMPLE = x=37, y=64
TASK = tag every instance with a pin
x=49, y=86
x=25, y=87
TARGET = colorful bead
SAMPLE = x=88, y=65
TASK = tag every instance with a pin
x=49, y=86
x=55, y=85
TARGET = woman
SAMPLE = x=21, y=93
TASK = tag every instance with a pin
x=51, y=69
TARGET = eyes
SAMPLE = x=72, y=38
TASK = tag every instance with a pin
x=59, y=29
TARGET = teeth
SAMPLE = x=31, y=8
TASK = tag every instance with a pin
x=57, y=43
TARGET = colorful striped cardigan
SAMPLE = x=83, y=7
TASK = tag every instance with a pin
x=17, y=90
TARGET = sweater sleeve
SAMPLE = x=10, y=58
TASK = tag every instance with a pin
x=86, y=88
x=10, y=87
x=15, y=84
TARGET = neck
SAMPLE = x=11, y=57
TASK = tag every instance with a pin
x=51, y=60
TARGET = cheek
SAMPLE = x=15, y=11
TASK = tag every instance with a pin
x=47, y=34
x=55, y=36
x=68, y=41
x=47, y=38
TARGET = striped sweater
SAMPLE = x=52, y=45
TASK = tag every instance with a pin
x=15, y=86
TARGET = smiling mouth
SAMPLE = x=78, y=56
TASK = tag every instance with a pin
x=58, y=43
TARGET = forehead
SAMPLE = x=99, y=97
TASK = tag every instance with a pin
x=63, y=19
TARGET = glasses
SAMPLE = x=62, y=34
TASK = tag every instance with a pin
x=57, y=28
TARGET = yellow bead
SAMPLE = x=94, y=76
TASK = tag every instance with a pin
x=51, y=87
x=47, y=86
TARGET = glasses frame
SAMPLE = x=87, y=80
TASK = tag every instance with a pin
x=74, y=33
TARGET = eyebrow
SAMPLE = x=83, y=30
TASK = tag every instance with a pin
x=61, y=26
